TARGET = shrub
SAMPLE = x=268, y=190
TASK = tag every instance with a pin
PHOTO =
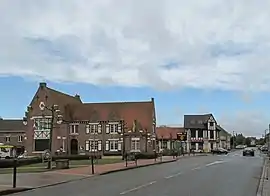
x=76, y=157
x=146, y=155
x=6, y=163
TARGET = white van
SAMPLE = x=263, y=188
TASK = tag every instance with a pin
x=7, y=151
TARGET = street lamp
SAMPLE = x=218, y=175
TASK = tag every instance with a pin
x=56, y=117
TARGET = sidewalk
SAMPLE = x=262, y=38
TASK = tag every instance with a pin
x=109, y=168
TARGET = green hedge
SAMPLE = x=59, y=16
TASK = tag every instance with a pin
x=75, y=157
x=6, y=163
x=142, y=155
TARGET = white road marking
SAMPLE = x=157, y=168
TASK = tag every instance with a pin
x=138, y=187
x=214, y=163
x=196, y=168
x=168, y=177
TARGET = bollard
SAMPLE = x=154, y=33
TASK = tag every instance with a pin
x=92, y=164
x=14, y=172
x=126, y=156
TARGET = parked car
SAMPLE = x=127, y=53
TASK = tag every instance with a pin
x=249, y=152
x=220, y=151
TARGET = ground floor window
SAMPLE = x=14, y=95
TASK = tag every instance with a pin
x=135, y=145
x=41, y=144
x=113, y=145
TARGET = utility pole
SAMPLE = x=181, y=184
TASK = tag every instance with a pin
x=268, y=139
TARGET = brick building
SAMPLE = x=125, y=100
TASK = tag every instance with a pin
x=104, y=128
x=167, y=138
x=12, y=132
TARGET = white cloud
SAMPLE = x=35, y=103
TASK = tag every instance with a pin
x=159, y=43
x=249, y=122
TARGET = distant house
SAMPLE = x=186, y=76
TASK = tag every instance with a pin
x=12, y=132
x=202, y=133
x=224, y=138
x=167, y=136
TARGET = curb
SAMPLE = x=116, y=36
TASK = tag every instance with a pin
x=135, y=167
x=15, y=190
x=262, y=179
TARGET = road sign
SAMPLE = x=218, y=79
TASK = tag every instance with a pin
x=182, y=136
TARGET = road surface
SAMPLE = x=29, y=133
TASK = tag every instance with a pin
x=197, y=176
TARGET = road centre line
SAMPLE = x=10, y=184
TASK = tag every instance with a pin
x=196, y=168
x=171, y=176
x=214, y=163
x=138, y=187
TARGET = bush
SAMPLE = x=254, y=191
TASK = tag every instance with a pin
x=76, y=157
x=6, y=163
x=170, y=153
x=146, y=155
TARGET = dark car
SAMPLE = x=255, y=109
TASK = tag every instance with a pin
x=220, y=151
x=249, y=152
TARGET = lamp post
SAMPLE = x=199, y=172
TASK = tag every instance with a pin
x=55, y=118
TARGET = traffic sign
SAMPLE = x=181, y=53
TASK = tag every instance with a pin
x=182, y=136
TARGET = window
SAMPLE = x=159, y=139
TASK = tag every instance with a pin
x=113, y=145
x=135, y=145
x=113, y=128
x=91, y=145
x=7, y=138
x=211, y=134
x=211, y=124
x=74, y=129
x=20, y=138
x=193, y=133
x=42, y=123
x=41, y=144
x=200, y=133
x=164, y=145
x=91, y=128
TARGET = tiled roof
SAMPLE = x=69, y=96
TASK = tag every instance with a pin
x=168, y=132
x=142, y=112
x=196, y=121
x=11, y=125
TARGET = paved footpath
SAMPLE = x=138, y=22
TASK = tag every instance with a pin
x=103, y=169
x=35, y=180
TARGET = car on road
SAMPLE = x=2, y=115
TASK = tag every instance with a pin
x=220, y=151
x=249, y=152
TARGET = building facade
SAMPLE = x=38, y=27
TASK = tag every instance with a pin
x=86, y=128
x=167, y=138
x=225, y=138
x=202, y=133
x=12, y=132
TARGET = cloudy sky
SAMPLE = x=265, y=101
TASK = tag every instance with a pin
x=192, y=56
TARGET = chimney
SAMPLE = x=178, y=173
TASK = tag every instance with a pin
x=42, y=85
x=77, y=96
x=152, y=99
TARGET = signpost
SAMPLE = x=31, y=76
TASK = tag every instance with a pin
x=181, y=137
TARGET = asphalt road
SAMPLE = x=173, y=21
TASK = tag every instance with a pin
x=197, y=176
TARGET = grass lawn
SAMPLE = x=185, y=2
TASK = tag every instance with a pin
x=41, y=167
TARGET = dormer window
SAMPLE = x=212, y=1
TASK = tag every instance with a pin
x=211, y=123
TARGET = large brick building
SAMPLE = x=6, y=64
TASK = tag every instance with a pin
x=105, y=128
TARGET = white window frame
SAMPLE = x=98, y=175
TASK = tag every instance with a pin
x=7, y=139
x=72, y=129
x=20, y=138
x=135, y=145
x=43, y=123
x=113, y=128
x=113, y=145
x=92, y=145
